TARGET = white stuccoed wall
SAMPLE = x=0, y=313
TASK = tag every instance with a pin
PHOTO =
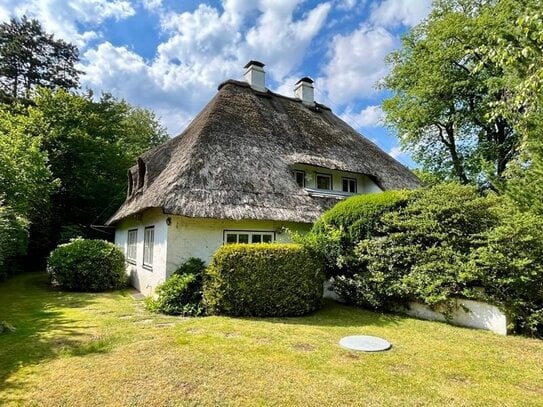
x=182, y=239
x=480, y=315
x=142, y=278
x=196, y=237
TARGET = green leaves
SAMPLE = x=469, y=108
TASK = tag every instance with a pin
x=263, y=280
x=442, y=95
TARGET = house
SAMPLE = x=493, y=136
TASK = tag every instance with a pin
x=251, y=165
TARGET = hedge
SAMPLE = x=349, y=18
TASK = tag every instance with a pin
x=87, y=265
x=338, y=230
x=263, y=280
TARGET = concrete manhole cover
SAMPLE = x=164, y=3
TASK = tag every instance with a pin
x=364, y=343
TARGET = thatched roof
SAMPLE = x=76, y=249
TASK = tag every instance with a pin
x=234, y=160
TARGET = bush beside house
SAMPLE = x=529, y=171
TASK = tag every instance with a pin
x=441, y=243
x=87, y=265
x=181, y=293
x=263, y=280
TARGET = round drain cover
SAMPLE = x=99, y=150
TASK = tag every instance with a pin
x=364, y=343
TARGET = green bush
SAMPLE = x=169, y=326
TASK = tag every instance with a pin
x=509, y=265
x=181, y=293
x=421, y=251
x=336, y=232
x=263, y=280
x=13, y=240
x=87, y=265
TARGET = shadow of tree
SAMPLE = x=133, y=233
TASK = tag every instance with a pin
x=43, y=330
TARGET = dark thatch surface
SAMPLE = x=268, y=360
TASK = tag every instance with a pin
x=234, y=160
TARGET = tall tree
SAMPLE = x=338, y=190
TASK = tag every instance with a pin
x=442, y=97
x=90, y=145
x=518, y=50
x=29, y=57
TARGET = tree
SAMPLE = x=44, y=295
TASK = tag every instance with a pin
x=25, y=177
x=518, y=50
x=442, y=96
x=90, y=145
x=29, y=57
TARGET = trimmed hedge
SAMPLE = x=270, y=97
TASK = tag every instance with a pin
x=263, y=280
x=338, y=230
x=87, y=265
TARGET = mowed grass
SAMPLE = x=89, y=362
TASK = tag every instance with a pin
x=73, y=349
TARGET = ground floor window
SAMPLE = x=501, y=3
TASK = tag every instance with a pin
x=148, y=245
x=246, y=236
x=131, y=246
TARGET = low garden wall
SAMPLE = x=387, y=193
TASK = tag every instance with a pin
x=468, y=313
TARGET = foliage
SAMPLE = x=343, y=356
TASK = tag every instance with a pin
x=443, y=98
x=29, y=57
x=336, y=232
x=25, y=177
x=518, y=51
x=421, y=250
x=13, y=239
x=90, y=145
x=87, y=265
x=181, y=293
x=509, y=265
x=263, y=280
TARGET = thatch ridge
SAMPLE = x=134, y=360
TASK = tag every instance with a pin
x=234, y=160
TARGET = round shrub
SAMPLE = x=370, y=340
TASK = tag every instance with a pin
x=181, y=293
x=337, y=231
x=263, y=280
x=87, y=265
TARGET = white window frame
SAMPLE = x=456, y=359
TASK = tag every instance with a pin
x=302, y=173
x=248, y=232
x=349, y=180
x=132, y=246
x=148, y=246
x=329, y=176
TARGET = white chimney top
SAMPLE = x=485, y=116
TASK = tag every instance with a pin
x=303, y=90
x=255, y=75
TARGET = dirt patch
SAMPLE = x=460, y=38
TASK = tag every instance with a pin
x=303, y=347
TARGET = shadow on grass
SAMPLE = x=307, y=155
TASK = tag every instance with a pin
x=338, y=315
x=43, y=331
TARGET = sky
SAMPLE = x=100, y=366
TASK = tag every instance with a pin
x=170, y=55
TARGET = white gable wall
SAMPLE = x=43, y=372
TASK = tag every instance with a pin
x=143, y=278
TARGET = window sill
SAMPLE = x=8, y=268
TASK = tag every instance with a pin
x=147, y=267
x=130, y=261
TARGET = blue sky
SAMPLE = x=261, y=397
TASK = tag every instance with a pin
x=170, y=55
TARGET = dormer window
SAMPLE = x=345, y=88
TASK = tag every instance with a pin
x=324, y=181
x=130, y=183
x=349, y=185
x=300, y=178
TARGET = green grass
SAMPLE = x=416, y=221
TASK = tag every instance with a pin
x=74, y=349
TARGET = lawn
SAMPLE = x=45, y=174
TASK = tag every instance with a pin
x=76, y=349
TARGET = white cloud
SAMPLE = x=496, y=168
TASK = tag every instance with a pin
x=370, y=116
x=357, y=63
x=390, y=13
x=62, y=18
x=203, y=48
x=397, y=153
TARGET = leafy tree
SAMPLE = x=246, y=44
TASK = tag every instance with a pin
x=518, y=50
x=29, y=57
x=442, y=97
x=25, y=177
x=90, y=145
